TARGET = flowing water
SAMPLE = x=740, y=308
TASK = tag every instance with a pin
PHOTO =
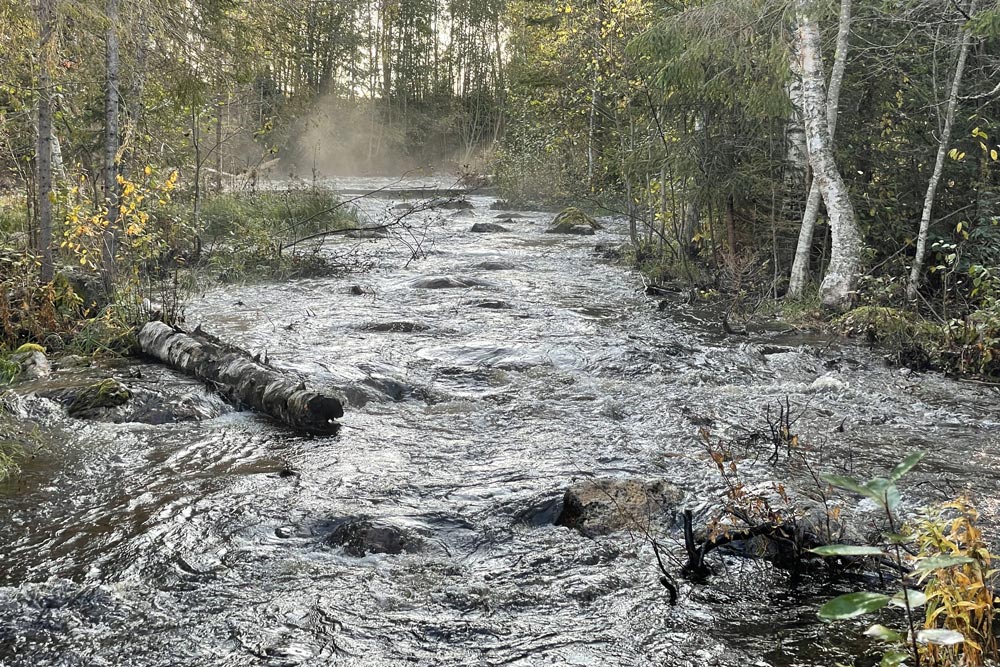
x=203, y=543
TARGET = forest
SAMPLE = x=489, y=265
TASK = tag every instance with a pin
x=728, y=260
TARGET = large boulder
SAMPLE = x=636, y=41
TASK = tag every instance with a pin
x=605, y=505
x=360, y=536
x=573, y=221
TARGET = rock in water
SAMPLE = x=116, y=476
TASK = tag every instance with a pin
x=32, y=361
x=605, y=505
x=359, y=536
x=573, y=221
x=447, y=282
x=109, y=393
x=487, y=228
x=455, y=204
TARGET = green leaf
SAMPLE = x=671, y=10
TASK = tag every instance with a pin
x=885, y=634
x=852, y=604
x=847, y=550
x=916, y=599
x=885, y=493
x=893, y=659
x=939, y=562
x=905, y=466
x=850, y=484
x=897, y=538
x=940, y=637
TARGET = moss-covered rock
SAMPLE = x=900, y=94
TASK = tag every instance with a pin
x=572, y=220
x=109, y=393
x=31, y=362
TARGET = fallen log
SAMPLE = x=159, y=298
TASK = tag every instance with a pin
x=242, y=379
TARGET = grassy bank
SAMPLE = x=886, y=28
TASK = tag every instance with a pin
x=167, y=245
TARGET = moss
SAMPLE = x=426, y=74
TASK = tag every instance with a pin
x=107, y=393
x=571, y=217
x=30, y=347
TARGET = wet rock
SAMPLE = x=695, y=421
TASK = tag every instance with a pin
x=492, y=304
x=605, y=505
x=159, y=399
x=487, y=228
x=32, y=362
x=95, y=398
x=572, y=220
x=359, y=536
x=395, y=327
x=72, y=361
x=578, y=230
x=456, y=204
x=447, y=282
x=355, y=290
x=510, y=216
x=462, y=215
x=495, y=266
x=394, y=389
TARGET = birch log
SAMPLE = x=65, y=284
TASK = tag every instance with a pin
x=241, y=379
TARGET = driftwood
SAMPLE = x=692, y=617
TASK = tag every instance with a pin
x=242, y=379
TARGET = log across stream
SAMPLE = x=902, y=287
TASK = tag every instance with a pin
x=241, y=378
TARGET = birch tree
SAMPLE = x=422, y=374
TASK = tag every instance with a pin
x=942, y=150
x=800, y=266
x=836, y=290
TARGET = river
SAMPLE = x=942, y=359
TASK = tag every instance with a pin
x=203, y=543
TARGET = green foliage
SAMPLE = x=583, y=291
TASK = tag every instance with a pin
x=951, y=563
x=247, y=236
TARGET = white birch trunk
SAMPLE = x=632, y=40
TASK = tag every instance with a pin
x=836, y=290
x=925, y=215
x=803, y=249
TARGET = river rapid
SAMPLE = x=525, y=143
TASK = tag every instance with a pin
x=470, y=410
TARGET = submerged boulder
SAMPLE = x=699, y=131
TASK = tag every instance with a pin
x=455, y=204
x=359, y=536
x=605, y=505
x=572, y=220
x=487, y=228
x=93, y=399
x=447, y=282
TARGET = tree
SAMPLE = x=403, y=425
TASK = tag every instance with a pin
x=111, y=144
x=837, y=288
x=965, y=40
x=803, y=251
x=46, y=11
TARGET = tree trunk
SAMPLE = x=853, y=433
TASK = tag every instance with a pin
x=219, y=108
x=942, y=152
x=242, y=379
x=803, y=250
x=837, y=288
x=112, y=190
x=43, y=157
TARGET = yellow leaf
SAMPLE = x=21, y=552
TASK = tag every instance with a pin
x=993, y=154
